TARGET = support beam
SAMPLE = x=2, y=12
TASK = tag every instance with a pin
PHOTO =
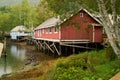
x=49, y=47
x=41, y=44
x=56, y=49
x=77, y=46
x=60, y=49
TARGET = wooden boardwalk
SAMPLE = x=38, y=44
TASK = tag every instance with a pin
x=1, y=48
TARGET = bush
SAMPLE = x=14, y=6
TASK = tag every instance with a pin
x=110, y=55
x=85, y=66
x=72, y=73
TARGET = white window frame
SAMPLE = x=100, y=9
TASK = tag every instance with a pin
x=55, y=29
x=50, y=30
x=81, y=14
x=40, y=33
x=46, y=30
x=43, y=31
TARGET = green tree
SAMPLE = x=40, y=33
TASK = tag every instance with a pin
x=63, y=7
x=43, y=12
x=25, y=14
x=4, y=22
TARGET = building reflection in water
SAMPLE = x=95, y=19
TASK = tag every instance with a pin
x=18, y=52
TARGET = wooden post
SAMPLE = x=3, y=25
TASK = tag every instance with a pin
x=73, y=48
x=44, y=47
x=5, y=64
x=49, y=47
x=60, y=49
x=56, y=49
x=66, y=51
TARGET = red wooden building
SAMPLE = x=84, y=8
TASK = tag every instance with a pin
x=80, y=28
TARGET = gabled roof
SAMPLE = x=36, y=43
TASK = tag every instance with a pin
x=91, y=15
x=49, y=23
x=19, y=28
x=54, y=21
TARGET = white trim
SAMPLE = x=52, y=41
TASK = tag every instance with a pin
x=60, y=32
x=38, y=33
x=91, y=15
x=77, y=40
x=50, y=32
x=96, y=24
x=55, y=30
x=58, y=40
x=46, y=30
x=53, y=40
x=93, y=34
x=43, y=31
x=81, y=14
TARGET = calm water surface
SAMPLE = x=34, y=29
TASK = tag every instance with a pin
x=16, y=55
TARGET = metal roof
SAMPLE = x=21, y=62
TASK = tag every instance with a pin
x=54, y=21
x=19, y=28
x=49, y=23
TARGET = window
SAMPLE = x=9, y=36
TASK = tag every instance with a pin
x=81, y=14
x=43, y=31
x=47, y=30
x=40, y=34
x=50, y=30
x=56, y=29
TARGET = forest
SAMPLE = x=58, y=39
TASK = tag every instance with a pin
x=23, y=14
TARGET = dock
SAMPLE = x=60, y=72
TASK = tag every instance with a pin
x=1, y=48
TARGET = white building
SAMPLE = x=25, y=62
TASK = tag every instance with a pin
x=18, y=31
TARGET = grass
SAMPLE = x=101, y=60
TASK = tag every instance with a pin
x=93, y=65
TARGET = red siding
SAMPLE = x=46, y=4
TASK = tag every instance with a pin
x=47, y=35
x=70, y=29
x=98, y=34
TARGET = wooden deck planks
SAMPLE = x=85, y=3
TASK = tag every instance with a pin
x=1, y=48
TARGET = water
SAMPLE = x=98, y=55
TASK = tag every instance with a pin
x=16, y=55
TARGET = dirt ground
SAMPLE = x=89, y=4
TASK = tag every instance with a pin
x=116, y=77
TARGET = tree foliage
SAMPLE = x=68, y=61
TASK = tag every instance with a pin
x=43, y=12
x=20, y=14
x=111, y=25
x=64, y=6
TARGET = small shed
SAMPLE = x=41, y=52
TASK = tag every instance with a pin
x=18, y=32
